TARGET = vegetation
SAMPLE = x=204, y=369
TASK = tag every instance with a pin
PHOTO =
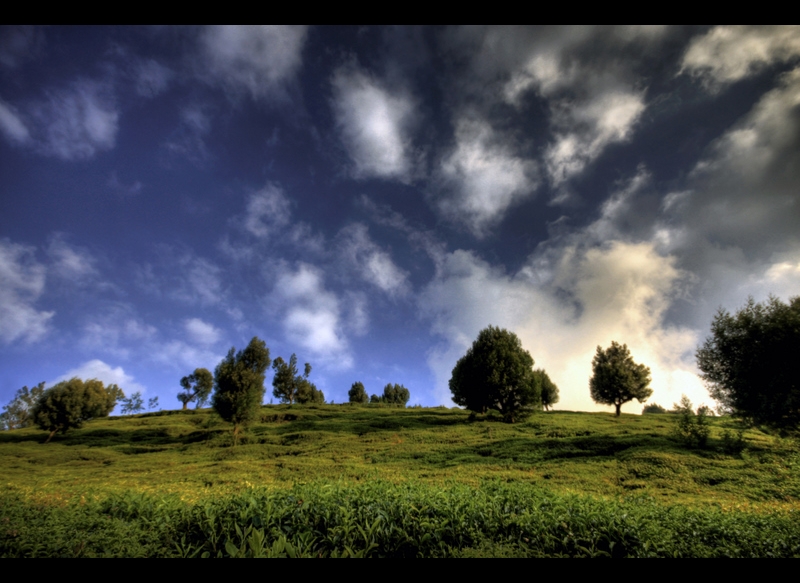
x=196, y=387
x=291, y=387
x=17, y=413
x=496, y=373
x=750, y=362
x=691, y=430
x=393, y=394
x=332, y=480
x=70, y=403
x=617, y=379
x=546, y=388
x=653, y=408
x=132, y=404
x=239, y=384
x=357, y=393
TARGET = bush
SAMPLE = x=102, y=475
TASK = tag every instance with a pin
x=653, y=408
x=692, y=430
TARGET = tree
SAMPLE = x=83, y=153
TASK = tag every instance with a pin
x=395, y=395
x=617, y=379
x=357, y=393
x=693, y=430
x=133, y=404
x=750, y=364
x=653, y=408
x=288, y=383
x=496, y=373
x=152, y=403
x=546, y=388
x=17, y=414
x=197, y=387
x=239, y=384
x=70, y=403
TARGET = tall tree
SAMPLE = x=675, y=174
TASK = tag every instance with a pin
x=546, y=388
x=496, y=373
x=70, y=403
x=287, y=383
x=17, y=414
x=357, y=393
x=239, y=384
x=394, y=394
x=197, y=387
x=616, y=379
x=750, y=362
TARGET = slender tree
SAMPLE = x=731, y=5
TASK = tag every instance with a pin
x=546, y=388
x=287, y=382
x=616, y=379
x=17, y=414
x=239, y=384
x=197, y=387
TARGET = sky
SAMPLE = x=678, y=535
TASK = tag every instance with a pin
x=370, y=198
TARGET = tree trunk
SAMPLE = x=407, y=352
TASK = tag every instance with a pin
x=184, y=406
x=49, y=437
x=618, y=405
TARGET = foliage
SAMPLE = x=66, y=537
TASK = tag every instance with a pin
x=17, y=414
x=70, y=403
x=546, y=388
x=357, y=393
x=152, y=403
x=692, y=430
x=288, y=383
x=617, y=379
x=394, y=394
x=133, y=404
x=750, y=364
x=239, y=384
x=197, y=387
x=380, y=519
x=495, y=373
x=654, y=408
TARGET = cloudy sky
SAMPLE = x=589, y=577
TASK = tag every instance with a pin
x=371, y=198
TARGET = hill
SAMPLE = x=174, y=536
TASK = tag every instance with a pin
x=176, y=463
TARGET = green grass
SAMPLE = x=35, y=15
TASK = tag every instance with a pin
x=178, y=463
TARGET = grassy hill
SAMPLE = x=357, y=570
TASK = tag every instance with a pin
x=560, y=470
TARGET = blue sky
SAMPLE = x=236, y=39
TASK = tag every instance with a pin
x=369, y=198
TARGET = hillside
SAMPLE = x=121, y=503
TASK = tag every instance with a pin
x=186, y=458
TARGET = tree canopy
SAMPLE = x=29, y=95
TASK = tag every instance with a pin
x=239, y=384
x=290, y=386
x=70, y=403
x=546, y=388
x=357, y=393
x=496, y=373
x=394, y=394
x=617, y=379
x=750, y=362
x=197, y=387
x=17, y=414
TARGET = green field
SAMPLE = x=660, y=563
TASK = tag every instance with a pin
x=347, y=480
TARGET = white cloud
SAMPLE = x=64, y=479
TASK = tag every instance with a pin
x=152, y=78
x=22, y=281
x=76, y=123
x=97, y=369
x=483, y=177
x=373, y=264
x=70, y=263
x=12, y=126
x=184, y=277
x=259, y=59
x=587, y=128
x=375, y=125
x=201, y=332
x=188, y=140
x=727, y=54
x=117, y=333
x=180, y=355
x=312, y=315
x=268, y=210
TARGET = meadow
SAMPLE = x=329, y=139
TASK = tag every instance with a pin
x=376, y=480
